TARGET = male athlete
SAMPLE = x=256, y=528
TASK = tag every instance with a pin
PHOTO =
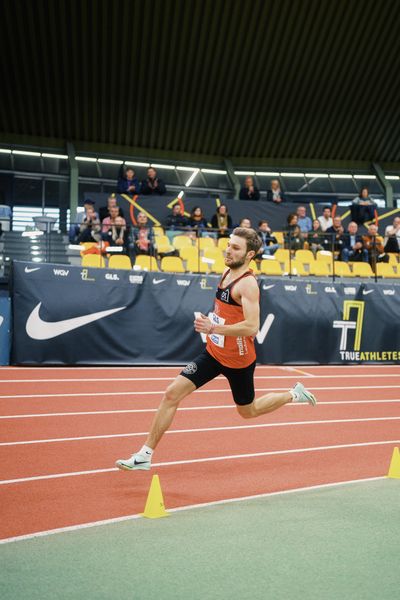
x=230, y=350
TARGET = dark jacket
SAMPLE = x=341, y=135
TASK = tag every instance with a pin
x=215, y=224
x=337, y=238
x=267, y=238
x=147, y=187
x=176, y=222
x=270, y=196
x=103, y=213
x=245, y=194
x=347, y=240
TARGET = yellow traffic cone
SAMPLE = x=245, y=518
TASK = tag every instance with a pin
x=155, y=508
x=394, y=469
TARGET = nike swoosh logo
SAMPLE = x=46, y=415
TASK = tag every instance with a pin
x=268, y=287
x=37, y=329
x=28, y=270
x=365, y=292
x=155, y=281
x=140, y=462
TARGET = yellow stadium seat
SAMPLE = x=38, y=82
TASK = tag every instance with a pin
x=282, y=255
x=321, y=268
x=205, y=242
x=146, y=263
x=393, y=258
x=158, y=230
x=223, y=243
x=163, y=245
x=119, y=262
x=172, y=264
x=305, y=256
x=279, y=237
x=86, y=246
x=342, y=269
x=181, y=241
x=270, y=267
x=384, y=270
x=362, y=269
x=297, y=268
x=213, y=253
x=325, y=256
x=195, y=265
x=93, y=260
x=189, y=252
x=218, y=266
x=254, y=268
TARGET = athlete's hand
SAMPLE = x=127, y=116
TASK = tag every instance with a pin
x=202, y=324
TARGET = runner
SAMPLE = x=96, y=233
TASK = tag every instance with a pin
x=229, y=351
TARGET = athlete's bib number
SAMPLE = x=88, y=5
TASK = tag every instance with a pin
x=216, y=338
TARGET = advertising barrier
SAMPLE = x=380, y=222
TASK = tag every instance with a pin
x=5, y=329
x=76, y=316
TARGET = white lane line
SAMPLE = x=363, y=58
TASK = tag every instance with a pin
x=223, y=390
x=210, y=407
x=201, y=460
x=297, y=370
x=201, y=430
x=117, y=379
x=70, y=528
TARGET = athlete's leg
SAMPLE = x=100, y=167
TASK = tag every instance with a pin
x=173, y=396
x=264, y=404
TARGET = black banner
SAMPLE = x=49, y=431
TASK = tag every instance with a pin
x=74, y=315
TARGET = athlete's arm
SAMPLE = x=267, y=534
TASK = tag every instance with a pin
x=249, y=297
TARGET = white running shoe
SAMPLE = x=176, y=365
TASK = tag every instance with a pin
x=137, y=462
x=302, y=395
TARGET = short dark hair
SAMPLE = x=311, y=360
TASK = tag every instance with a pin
x=253, y=242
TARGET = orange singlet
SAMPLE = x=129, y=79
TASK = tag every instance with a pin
x=233, y=352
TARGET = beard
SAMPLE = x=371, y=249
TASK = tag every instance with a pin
x=236, y=265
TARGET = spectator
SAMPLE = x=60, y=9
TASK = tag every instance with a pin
x=373, y=243
x=293, y=237
x=222, y=221
x=114, y=228
x=269, y=242
x=326, y=219
x=275, y=194
x=334, y=241
x=392, y=236
x=245, y=222
x=303, y=221
x=90, y=228
x=79, y=217
x=105, y=210
x=363, y=207
x=316, y=237
x=153, y=184
x=353, y=246
x=249, y=191
x=141, y=239
x=128, y=183
x=197, y=221
x=176, y=223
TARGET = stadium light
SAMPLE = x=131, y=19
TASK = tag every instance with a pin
x=136, y=164
x=5, y=151
x=109, y=161
x=392, y=177
x=86, y=158
x=185, y=168
x=317, y=175
x=266, y=174
x=60, y=156
x=245, y=173
x=341, y=176
x=191, y=178
x=292, y=174
x=213, y=171
x=364, y=176
x=166, y=167
x=26, y=153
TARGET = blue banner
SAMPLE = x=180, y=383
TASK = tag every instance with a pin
x=5, y=327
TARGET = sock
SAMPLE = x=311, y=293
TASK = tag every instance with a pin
x=295, y=396
x=146, y=451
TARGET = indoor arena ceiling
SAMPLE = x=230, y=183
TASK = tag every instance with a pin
x=251, y=80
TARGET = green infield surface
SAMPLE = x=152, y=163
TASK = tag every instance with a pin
x=339, y=541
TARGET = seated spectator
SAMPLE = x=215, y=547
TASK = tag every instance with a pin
x=373, y=243
x=275, y=194
x=197, y=221
x=392, y=236
x=90, y=228
x=73, y=234
x=222, y=221
x=316, y=237
x=105, y=210
x=303, y=221
x=334, y=238
x=245, y=222
x=152, y=184
x=249, y=191
x=114, y=228
x=176, y=223
x=293, y=237
x=326, y=219
x=141, y=238
x=363, y=208
x=128, y=183
x=269, y=242
x=353, y=246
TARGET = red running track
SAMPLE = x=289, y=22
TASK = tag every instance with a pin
x=52, y=478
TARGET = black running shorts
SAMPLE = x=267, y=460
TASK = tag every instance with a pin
x=204, y=368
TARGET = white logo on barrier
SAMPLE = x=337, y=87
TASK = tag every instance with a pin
x=309, y=289
x=349, y=291
x=366, y=292
x=184, y=282
x=111, y=276
x=157, y=281
x=61, y=272
x=389, y=292
x=330, y=290
x=262, y=334
x=37, y=329
x=290, y=288
x=30, y=270
x=1, y=320
x=190, y=368
x=136, y=279
x=268, y=287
